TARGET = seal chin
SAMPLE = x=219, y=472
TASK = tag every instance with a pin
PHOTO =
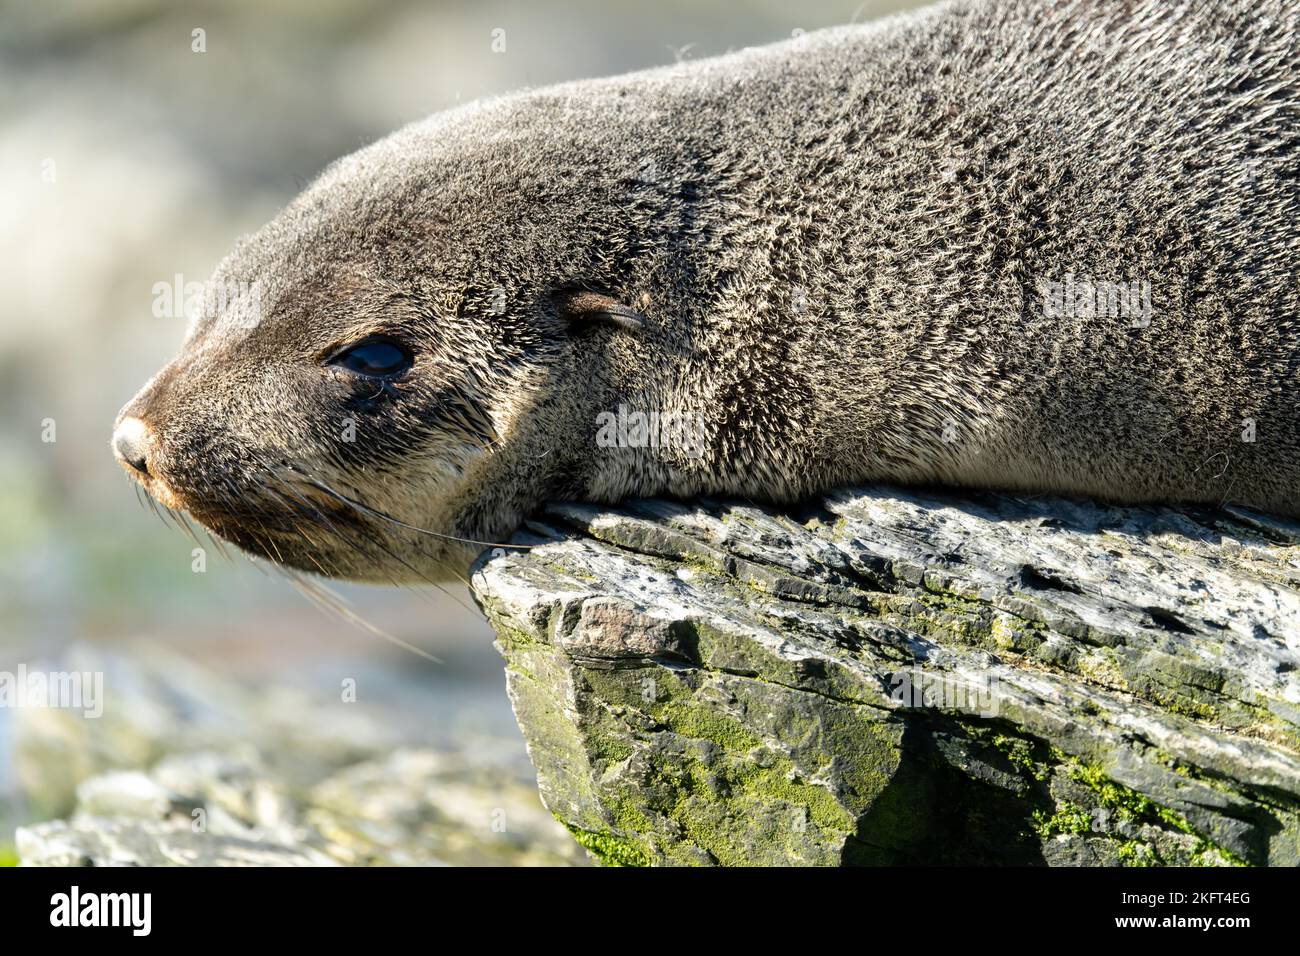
x=317, y=537
x=296, y=532
x=328, y=553
x=286, y=550
x=285, y=541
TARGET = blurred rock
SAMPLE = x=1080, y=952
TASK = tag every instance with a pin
x=129, y=794
x=418, y=807
x=95, y=841
x=411, y=808
x=157, y=702
x=283, y=779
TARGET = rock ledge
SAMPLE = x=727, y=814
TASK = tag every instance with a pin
x=887, y=677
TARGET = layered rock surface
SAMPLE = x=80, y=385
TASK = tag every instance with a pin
x=890, y=677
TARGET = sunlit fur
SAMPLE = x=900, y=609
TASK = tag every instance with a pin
x=837, y=243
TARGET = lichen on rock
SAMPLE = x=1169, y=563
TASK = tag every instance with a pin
x=887, y=677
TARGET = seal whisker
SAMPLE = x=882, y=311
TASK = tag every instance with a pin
x=332, y=602
x=366, y=509
x=216, y=541
x=319, y=515
x=348, y=614
x=323, y=597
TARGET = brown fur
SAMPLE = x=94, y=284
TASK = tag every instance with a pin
x=839, y=246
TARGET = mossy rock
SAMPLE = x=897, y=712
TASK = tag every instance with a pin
x=886, y=677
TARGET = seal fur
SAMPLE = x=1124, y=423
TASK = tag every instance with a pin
x=841, y=256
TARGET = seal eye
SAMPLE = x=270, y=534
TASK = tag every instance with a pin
x=378, y=358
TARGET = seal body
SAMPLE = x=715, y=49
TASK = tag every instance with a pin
x=1047, y=247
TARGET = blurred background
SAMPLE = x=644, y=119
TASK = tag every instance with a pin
x=133, y=150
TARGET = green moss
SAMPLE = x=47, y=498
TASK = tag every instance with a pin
x=1175, y=702
x=733, y=762
x=608, y=849
x=946, y=614
x=821, y=807
x=702, y=724
x=608, y=748
x=507, y=635
x=1019, y=753
x=1068, y=818
x=1129, y=806
x=628, y=816
x=717, y=785
x=1136, y=853
x=717, y=803
x=705, y=568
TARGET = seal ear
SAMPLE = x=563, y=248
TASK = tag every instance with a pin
x=583, y=307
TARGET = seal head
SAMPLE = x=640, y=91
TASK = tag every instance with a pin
x=372, y=387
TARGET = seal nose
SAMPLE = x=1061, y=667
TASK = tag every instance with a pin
x=131, y=443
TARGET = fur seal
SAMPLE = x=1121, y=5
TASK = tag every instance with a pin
x=1035, y=246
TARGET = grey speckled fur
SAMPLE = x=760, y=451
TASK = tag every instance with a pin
x=840, y=245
